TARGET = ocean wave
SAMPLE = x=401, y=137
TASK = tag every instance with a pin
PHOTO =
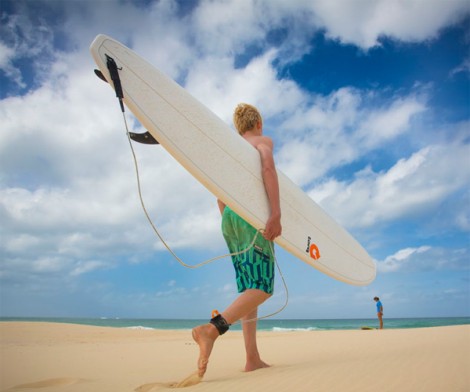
x=279, y=329
x=140, y=327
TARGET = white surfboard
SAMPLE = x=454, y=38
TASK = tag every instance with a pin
x=229, y=167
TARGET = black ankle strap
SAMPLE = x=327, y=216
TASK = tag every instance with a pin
x=220, y=323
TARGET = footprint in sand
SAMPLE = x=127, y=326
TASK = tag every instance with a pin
x=189, y=381
x=52, y=382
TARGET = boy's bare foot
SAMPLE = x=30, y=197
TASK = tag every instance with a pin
x=255, y=365
x=205, y=336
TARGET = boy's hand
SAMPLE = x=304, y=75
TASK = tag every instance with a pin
x=273, y=228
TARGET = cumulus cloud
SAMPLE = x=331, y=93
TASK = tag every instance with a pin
x=425, y=258
x=337, y=129
x=413, y=186
x=230, y=86
x=87, y=266
x=365, y=22
x=68, y=186
x=26, y=37
x=7, y=53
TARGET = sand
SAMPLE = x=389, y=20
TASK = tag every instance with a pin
x=70, y=358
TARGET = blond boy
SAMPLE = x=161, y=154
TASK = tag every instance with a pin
x=254, y=287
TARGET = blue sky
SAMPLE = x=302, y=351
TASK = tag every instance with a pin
x=368, y=105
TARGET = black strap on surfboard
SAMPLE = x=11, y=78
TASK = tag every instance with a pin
x=144, y=138
x=114, y=73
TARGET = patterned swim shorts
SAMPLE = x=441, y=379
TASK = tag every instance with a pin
x=254, y=269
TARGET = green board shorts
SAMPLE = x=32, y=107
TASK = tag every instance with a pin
x=254, y=268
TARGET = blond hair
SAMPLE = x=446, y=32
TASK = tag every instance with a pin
x=246, y=117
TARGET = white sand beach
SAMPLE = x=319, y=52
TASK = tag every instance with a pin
x=75, y=358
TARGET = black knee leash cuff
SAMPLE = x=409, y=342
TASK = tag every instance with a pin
x=219, y=322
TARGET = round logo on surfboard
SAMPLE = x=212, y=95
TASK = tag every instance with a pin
x=312, y=249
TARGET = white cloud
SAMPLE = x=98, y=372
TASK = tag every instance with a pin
x=7, y=54
x=219, y=28
x=399, y=259
x=224, y=27
x=25, y=40
x=68, y=187
x=48, y=264
x=410, y=188
x=462, y=216
x=363, y=22
x=179, y=292
x=382, y=125
x=425, y=258
x=339, y=128
x=462, y=68
x=229, y=86
x=87, y=266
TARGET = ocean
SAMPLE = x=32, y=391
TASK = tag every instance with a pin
x=264, y=325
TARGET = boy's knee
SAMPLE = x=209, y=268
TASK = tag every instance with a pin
x=261, y=294
x=266, y=295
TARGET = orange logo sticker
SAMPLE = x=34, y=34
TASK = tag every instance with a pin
x=314, y=252
x=312, y=249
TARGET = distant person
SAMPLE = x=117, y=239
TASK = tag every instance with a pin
x=255, y=268
x=380, y=311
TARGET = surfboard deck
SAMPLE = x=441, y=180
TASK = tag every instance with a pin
x=229, y=167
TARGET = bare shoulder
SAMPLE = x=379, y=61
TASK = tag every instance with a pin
x=262, y=143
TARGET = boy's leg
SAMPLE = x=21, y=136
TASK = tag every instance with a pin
x=205, y=335
x=253, y=359
x=245, y=303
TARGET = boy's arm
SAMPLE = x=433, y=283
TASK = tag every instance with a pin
x=273, y=227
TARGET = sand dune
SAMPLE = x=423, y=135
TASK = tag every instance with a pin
x=72, y=358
